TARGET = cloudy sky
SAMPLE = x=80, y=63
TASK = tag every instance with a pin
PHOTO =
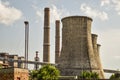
x=106, y=23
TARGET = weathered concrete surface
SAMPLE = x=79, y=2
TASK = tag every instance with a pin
x=96, y=48
x=77, y=52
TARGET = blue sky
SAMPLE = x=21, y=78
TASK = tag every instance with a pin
x=105, y=15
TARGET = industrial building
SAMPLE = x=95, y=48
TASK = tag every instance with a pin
x=11, y=69
x=9, y=60
x=14, y=74
x=79, y=51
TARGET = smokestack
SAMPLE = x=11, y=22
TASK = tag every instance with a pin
x=46, y=45
x=57, y=41
x=98, y=48
x=36, y=53
x=26, y=42
x=36, y=66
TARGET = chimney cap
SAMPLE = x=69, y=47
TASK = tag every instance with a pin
x=77, y=17
x=47, y=9
x=26, y=22
x=98, y=45
x=37, y=52
x=95, y=35
x=58, y=21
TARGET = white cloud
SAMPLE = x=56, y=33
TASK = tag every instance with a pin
x=39, y=13
x=105, y=2
x=93, y=12
x=116, y=4
x=8, y=15
x=55, y=13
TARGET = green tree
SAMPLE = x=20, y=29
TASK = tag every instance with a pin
x=94, y=75
x=88, y=75
x=115, y=76
x=33, y=75
x=46, y=72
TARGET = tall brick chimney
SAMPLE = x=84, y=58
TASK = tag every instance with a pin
x=57, y=41
x=46, y=44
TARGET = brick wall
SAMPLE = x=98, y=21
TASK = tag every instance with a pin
x=14, y=74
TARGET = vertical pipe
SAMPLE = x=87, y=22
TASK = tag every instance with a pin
x=26, y=42
x=46, y=48
x=57, y=41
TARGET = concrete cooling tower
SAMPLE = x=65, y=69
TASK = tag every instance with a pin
x=80, y=51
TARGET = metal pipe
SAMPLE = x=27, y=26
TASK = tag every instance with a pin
x=26, y=42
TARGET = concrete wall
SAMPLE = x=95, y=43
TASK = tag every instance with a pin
x=96, y=48
x=23, y=74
